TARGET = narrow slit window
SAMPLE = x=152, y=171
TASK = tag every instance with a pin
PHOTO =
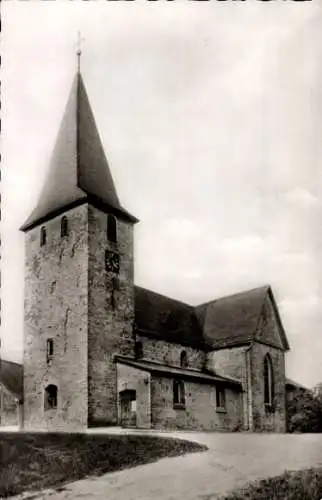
x=220, y=397
x=43, y=236
x=138, y=350
x=64, y=227
x=50, y=349
x=111, y=229
x=178, y=393
x=183, y=359
x=268, y=381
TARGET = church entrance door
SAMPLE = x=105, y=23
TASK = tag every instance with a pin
x=128, y=408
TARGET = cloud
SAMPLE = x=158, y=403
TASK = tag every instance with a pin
x=181, y=228
x=248, y=244
x=306, y=305
x=290, y=257
x=301, y=197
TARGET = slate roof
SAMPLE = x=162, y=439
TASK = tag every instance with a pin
x=183, y=373
x=223, y=322
x=234, y=319
x=11, y=376
x=168, y=319
x=78, y=170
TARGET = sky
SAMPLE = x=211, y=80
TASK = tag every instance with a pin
x=211, y=118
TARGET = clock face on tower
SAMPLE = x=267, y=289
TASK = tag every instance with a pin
x=112, y=261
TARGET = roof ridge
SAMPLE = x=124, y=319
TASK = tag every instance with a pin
x=224, y=297
x=165, y=297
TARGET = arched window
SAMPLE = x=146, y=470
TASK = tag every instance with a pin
x=43, y=236
x=183, y=359
x=268, y=381
x=178, y=393
x=64, y=226
x=111, y=229
x=51, y=397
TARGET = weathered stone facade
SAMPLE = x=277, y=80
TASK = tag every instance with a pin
x=154, y=394
x=270, y=342
x=10, y=408
x=75, y=311
x=199, y=412
x=56, y=307
x=233, y=362
x=110, y=314
x=246, y=363
x=169, y=353
x=266, y=420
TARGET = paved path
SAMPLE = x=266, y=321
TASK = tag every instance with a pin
x=232, y=460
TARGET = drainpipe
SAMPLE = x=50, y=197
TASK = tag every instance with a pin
x=1, y=404
x=249, y=393
x=1, y=391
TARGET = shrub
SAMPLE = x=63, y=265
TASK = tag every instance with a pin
x=302, y=485
x=304, y=412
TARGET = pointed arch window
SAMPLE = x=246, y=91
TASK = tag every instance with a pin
x=138, y=350
x=179, y=399
x=183, y=359
x=111, y=229
x=64, y=227
x=43, y=236
x=268, y=381
x=51, y=397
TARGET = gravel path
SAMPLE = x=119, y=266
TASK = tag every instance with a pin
x=232, y=460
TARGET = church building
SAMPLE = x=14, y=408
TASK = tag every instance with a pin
x=99, y=350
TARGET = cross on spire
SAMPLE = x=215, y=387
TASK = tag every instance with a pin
x=80, y=39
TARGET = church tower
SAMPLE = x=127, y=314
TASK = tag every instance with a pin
x=79, y=293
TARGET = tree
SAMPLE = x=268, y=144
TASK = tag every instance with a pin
x=304, y=411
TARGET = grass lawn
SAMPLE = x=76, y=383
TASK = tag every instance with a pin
x=301, y=485
x=31, y=461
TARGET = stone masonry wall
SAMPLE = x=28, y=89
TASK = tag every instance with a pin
x=232, y=362
x=110, y=315
x=169, y=354
x=56, y=307
x=268, y=327
x=10, y=408
x=200, y=410
x=263, y=420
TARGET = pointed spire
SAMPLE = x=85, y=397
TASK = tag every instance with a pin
x=78, y=170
